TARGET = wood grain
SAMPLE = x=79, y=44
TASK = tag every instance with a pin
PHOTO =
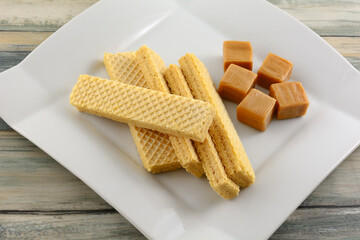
x=331, y=18
x=347, y=46
x=41, y=199
x=4, y=126
x=31, y=180
x=321, y=223
x=39, y=15
x=304, y=223
x=9, y=59
x=21, y=41
x=91, y=225
x=325, y=17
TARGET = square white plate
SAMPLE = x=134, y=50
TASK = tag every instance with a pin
x=291, y=158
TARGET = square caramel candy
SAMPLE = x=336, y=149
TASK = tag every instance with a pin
x=291, y=99
x=239, y=53
x=274, y=69
x=236, y=83
x=256, y=110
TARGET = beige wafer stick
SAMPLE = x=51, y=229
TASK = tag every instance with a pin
x=125, y=67
x=210, y=159
x=222, y=131
x=192, y=163
x=143, y=107
x=153, y=68
x=155, y=149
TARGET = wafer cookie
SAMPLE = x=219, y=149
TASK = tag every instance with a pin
x=155, y=149
x=153, y=68
x=214, y=170
x=222, y=131
x=125, y=68
x=173, y=78
x=208, y=155
x=117, y=66
x=143, y=107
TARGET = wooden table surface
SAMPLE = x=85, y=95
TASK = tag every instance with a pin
x=40, y=199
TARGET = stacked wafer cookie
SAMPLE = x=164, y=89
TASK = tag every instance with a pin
x=155, y=148
x=175, y=116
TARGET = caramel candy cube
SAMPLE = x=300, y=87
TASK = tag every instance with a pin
x=291, y=99
x=273, y=70
x=256, y=110
x=239, y=53
x=236, y=83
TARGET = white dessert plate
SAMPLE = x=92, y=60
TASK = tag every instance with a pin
x=290, y=158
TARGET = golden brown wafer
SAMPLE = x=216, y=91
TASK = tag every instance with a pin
x=143, y=107
x=153, y=68
x=125, y=68
x=172, y=77
x=155, y=149
x=222, y=131
x=208, y=155
x=214, y=169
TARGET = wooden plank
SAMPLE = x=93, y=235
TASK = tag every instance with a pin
x=355, y=61
x=347, y=46
x=39, y=15
x=21, y=41
x=325, y=17
x=4, y=126
x=67, y=226
x=10, y=59
x=335, y=17
x=302, y=224
x=321, y=223
x=31, y=180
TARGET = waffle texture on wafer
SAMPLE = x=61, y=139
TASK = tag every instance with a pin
x=207, y=153
x=222, y=131
x=125, y=68
x=155, y=149
x=176, y=82
x=153, y=68
x=214, y=170
x=143, y=107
